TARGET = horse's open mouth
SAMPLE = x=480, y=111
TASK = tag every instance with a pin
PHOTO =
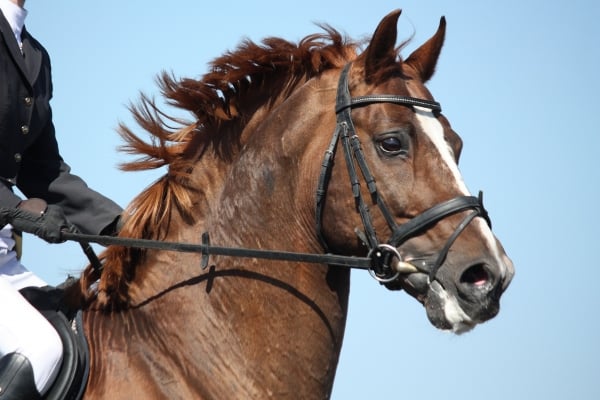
x=447, y=309
x=443, y=307
x=453, y=301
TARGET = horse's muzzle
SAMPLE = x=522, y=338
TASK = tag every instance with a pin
x=457, y=298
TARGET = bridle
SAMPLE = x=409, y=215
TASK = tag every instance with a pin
x=379, y=256
x=379, y=252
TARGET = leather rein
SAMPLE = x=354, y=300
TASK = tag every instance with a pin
x=380, y=254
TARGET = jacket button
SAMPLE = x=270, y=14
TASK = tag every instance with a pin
x=28, y=101
x=18, y=157
x=25, y=129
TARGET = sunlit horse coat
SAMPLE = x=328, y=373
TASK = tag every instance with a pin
x=29, y=155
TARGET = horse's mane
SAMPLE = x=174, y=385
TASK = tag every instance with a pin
x=221, y=103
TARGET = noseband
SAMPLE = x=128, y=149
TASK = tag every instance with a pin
x=381, y=253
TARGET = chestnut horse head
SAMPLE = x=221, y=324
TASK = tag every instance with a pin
x=313, y=148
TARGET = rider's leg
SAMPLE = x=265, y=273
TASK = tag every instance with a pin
x=23, y=329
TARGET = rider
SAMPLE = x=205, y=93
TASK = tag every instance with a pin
x=30, y=349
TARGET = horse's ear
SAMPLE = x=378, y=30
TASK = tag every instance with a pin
x=424, y=59
x=381, y=50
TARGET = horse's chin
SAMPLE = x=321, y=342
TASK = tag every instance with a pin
x=443, y=310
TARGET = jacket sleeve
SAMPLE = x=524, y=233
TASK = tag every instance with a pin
x=8, y=199
x=44, y=174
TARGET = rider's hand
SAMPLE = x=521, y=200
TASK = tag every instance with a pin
x=33, y=205
x=36, y=217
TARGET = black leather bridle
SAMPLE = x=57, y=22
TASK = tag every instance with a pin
x=379, y=252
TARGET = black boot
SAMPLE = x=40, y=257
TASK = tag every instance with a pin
x=16, y=378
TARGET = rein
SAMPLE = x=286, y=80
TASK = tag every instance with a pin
x=380, y=254
x=206, y=249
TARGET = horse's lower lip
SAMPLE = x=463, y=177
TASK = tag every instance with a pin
x=444, y=312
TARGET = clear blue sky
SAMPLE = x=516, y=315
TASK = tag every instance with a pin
x=517, y=79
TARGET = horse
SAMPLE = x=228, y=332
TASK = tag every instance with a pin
x=327, y=147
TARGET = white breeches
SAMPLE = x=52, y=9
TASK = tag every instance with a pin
x=22, y=328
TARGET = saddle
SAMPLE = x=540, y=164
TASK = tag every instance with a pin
x=72, y=377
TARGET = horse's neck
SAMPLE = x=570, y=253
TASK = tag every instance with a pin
x=238, y=330
x=243, y=328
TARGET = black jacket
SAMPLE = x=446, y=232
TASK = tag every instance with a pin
x=29, y=155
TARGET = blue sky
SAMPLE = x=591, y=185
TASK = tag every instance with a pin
x=517, y=79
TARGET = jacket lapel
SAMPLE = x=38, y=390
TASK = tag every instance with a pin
x=33, y=56
x=7, y=39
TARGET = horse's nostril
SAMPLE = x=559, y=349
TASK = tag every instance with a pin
x=476, y=275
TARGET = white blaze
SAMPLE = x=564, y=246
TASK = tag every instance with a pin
x=434, y=130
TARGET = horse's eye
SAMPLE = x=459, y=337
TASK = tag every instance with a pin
x=394, y=145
